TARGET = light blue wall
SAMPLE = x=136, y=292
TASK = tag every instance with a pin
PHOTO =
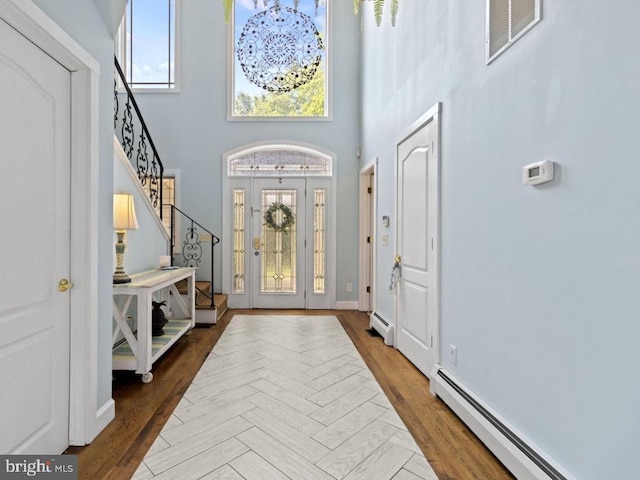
x=81, y=20
x=538, y=284
x=145, y=245
x=191, y=130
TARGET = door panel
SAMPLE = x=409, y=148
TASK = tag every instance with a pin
x=416, y=311
x=415, y=204
x=35, y=240
x=278, y=249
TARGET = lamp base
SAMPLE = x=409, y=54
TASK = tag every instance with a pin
x=119, y=278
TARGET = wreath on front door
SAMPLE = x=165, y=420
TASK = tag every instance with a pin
x=271, y=215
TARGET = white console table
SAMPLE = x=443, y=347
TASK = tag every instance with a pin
x=138, y=352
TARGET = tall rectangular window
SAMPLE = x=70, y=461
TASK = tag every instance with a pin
x=319, y=239
x=507, y=21
x=168, y=198
x=280, y=59
x=238, y=240
x=147, y=44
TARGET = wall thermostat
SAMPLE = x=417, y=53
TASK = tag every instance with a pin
x=537, y=173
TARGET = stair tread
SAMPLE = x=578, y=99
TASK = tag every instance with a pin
x=202, y=287
x=218, y=299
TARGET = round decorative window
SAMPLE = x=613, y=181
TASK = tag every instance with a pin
x=280, y=49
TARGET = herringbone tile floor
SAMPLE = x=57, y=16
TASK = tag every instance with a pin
x=284, y=397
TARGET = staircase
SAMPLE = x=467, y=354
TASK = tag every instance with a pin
x=186, y=235
x=205, y=313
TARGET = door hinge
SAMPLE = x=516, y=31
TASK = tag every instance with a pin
x=432, y=244
x=368, y=289
x=305, y=243
x=305, y=294
x=431, y=337
x=369, y=190
x=368, y=239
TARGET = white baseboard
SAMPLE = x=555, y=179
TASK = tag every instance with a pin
x=518, y=453
x=383, y=327
x=104, y=416
x=346, y=305
x=206, y=316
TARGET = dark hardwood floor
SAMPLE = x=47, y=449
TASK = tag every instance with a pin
x=142, y=410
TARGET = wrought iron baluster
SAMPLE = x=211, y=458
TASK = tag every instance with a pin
x=142, y=160
x=127, y=129
x=192, y=247
x=116, y=103
x=155, y=186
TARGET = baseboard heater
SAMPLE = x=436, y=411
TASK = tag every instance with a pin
x=382, y=327
x=511, y=448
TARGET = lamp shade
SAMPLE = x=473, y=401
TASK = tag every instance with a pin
x=124, y=213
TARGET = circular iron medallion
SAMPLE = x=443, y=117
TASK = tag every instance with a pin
x=280, y=49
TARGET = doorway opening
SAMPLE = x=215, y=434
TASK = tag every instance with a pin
x=367, y=238
x=279, y=227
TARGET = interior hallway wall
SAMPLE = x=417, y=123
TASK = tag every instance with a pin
x=191, y=130
x=538, y=284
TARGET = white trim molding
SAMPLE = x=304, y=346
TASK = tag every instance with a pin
x=34, y=24
x=346, y=305
x=367, y=252
x=104, y=415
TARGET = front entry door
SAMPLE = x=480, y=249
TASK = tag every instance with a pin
x=417, y=299
x=278, y=243
x=35, y=128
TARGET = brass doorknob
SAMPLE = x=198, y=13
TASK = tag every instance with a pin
x=64, y=285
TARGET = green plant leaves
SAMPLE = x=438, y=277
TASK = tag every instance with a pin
x=394, y=11
x=378, y=6
x=227, y=5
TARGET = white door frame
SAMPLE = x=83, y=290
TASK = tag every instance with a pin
x=227, y=220
x=431, y=116
x=368, y=251
x=86, y=419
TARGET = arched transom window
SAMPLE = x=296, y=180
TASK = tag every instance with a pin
x=280, y=161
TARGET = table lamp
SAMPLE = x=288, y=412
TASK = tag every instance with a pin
x=124, y=218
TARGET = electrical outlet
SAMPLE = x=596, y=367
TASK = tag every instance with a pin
x=453, y=355
x=384, y=239
x=349, y=287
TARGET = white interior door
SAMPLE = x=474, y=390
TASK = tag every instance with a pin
x=35, y=248
x=278, y=246
x=417, y=296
